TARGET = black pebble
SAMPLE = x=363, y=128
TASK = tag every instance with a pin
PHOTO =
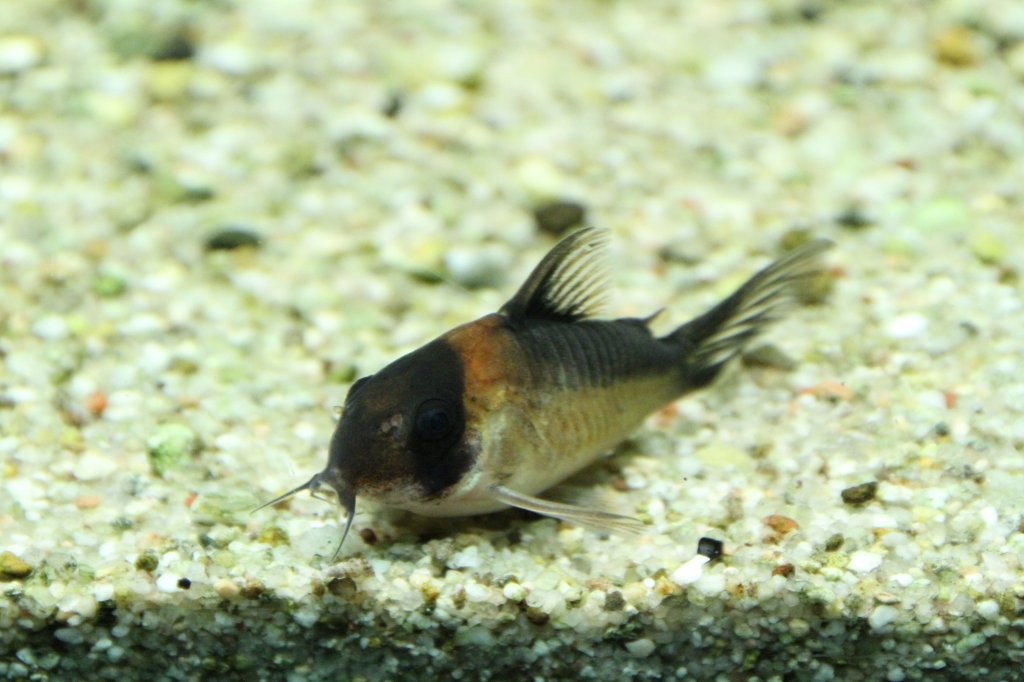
x=393, y=104
x=558, y=217
x=184, y=583
x=860, y=494
x=854, y=219
x=177, y=47
x=229, y=238
x=710, y=548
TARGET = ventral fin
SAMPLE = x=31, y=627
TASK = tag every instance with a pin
x=570, y=284
x=592, y=518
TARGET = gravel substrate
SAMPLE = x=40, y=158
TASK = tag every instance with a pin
x=215, y=216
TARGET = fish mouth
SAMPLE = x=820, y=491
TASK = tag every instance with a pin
x=345, y=495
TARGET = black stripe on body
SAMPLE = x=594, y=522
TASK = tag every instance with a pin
x=593, y=353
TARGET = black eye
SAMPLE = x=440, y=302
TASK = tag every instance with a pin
x=434, y=420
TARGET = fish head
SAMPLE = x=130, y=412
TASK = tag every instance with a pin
x=401, y=437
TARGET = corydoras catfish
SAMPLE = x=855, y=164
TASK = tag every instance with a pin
x=495, y=411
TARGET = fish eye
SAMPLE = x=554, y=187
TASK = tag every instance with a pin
x=434, y=420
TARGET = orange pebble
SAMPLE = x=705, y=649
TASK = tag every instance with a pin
x=87, y=501
x=96, y=403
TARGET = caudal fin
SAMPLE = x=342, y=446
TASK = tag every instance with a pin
x=708, y=342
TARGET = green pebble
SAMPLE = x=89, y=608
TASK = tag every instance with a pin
x=13, y=567
x=170, y=447
x=272, y=535
x=986, y=246
x=147, y=561
x=794, y=239
x=815, y=289
x=109, y=285
x=834, y=542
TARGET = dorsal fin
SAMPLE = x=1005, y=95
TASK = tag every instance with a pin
x=570, y=284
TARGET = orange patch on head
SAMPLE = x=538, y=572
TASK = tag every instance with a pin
x=488, y=355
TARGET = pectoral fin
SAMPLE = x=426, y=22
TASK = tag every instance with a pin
x=592, y=518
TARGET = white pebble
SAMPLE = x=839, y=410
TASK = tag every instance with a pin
x=306, y=617
x=989, y=515
x=103, y=592
x=906, y=326
x=882, y=616
x=988, y=609
x=92, y=467
x=514, y=592
x=864, y=562
x=641, y=648
x=690, y=571
x=50, y=327
x=20, y=53
x=168, y=582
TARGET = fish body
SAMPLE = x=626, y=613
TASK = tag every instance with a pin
x=495, y=411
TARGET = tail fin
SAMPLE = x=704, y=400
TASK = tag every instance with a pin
x=710, y=341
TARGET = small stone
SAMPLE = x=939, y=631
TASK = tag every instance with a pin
x=860, y=494
x=956, y=47
x=156, y=41
x=782, y=525
x=710, y=548
x=558, y=217
x=170, y=446
x=147, y=561
x=50, y=327
x=168, y=582
x=613, y=601
x=864, y=562
x=986, y=246
x=20, y=53
x=724, y=456
x=476, y=268
x=274, y=536
x=230, y=238
x=794, y=239
x=690, y=572
x=906, y=326
x=640, y=648
x=227, y=589
x=785, y=570
x=96, y=403
x=513, y=591
x=368, y=536
x=853, y=218
x=769, y=356
x=87, y=501
x=13, y=567
x=538, y=178
x=93, y=466
x=988, y=609
x=834, y=542
x=109, y=285
x=883, y=616
x=814, y=289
